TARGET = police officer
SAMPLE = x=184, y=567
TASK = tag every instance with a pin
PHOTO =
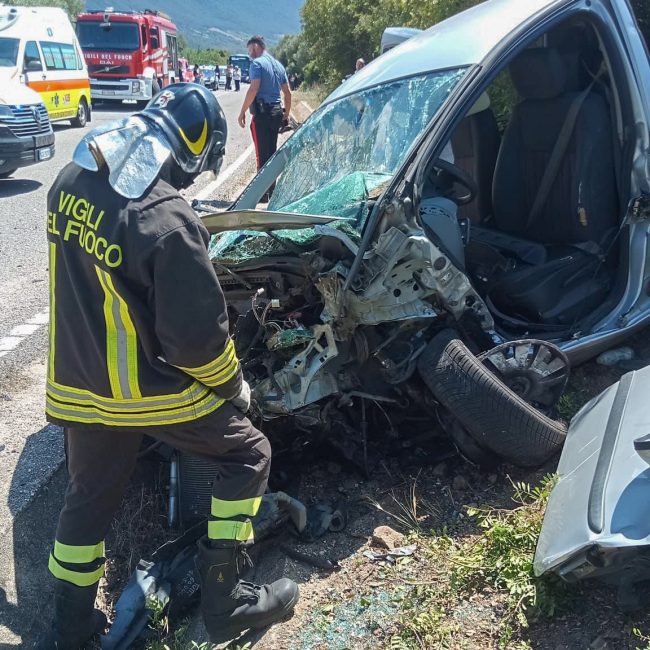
x=268, y=80
x=139, y=345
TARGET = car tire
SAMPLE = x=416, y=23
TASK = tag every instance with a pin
x=492, y=414
x=82, y=115
x=7, y=173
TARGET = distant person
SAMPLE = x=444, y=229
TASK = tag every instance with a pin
x=217, y=73
x=236, y=77
x=293, y=81
x=268, y=82
x=197, y=74
x=359, y=64
x=229, y=70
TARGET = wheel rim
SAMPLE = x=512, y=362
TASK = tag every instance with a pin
x=81, y=112
x=537, y=371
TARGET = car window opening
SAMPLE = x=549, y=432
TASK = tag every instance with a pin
x=539, y=225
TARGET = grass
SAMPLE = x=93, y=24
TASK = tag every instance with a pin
x=409, y=509
x=486, y=576
x=313, y=95
x=163, y=638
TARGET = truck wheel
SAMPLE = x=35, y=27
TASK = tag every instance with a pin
x=492, y=414
x=82, y=115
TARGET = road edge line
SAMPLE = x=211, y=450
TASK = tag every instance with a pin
x=212, y=187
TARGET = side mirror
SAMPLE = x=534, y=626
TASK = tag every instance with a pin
x=155, y=43
x=33, y=66
x=642, y=447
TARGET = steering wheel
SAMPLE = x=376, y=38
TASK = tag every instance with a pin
x=445, y=177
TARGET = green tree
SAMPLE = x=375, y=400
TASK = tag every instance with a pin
x=337, y=32
x=293, y=52
x=209, y=56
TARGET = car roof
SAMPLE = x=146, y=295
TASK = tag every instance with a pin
x=462, y=40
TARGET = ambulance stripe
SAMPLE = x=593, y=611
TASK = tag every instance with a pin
x=58, y=85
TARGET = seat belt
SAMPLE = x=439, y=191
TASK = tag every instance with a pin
x=557, y=155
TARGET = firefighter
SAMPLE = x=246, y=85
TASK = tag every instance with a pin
x=139, y=345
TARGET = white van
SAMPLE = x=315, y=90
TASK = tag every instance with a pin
x=26, y=135
x=38, y=47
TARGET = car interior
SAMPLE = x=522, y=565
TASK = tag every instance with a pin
x=541, y=220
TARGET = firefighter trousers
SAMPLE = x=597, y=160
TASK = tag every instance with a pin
x=100, y=463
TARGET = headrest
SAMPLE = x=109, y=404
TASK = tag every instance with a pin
x=539, y=73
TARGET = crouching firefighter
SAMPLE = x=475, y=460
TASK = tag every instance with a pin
x=139, y=345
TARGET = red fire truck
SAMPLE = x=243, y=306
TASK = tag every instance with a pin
x=130, y=55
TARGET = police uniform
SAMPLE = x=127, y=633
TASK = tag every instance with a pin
x=139, y=344
x=267, y=108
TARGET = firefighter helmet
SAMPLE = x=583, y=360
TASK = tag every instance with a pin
x=190, y=117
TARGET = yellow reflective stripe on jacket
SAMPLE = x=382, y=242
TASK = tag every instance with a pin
x=96, y=415
x=78, y=578
x=222, y=377
x=78, y=554
x=194, y=394
x=50, y=370
x=240, y=531
x=227, y=509
x=222, y=362
x=121, y=341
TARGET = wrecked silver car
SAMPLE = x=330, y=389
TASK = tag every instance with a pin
x=457, y=224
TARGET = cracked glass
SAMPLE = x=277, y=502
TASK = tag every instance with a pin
x=341, y=159
x=348, y=151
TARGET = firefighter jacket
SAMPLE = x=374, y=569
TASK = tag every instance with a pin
x=138, y=322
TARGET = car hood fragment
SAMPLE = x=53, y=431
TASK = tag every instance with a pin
x=261, y=220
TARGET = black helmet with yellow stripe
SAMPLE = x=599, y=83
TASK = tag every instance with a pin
x=190, y=117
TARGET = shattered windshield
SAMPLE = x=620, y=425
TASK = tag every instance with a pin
x=340, y=160
x=349, y=150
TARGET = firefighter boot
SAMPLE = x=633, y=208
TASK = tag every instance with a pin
x=230, y=605
x=76, y=620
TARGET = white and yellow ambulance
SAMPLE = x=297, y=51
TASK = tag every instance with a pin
x=38, y=47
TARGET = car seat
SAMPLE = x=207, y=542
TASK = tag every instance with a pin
x=579, y=212
x=475, y=144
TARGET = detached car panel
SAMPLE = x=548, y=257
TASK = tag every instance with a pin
x=597, y=522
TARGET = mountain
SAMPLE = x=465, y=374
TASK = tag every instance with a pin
x=226, y=24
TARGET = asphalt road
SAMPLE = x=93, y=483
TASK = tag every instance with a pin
x=30, y=451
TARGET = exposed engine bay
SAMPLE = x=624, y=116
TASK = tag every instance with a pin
x=337, y=360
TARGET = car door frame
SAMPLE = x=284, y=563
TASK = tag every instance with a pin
x=634, y=304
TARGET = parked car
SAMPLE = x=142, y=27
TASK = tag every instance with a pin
x=222, y=76
x=418, y=264
x=209, y=77
x=26, y=135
